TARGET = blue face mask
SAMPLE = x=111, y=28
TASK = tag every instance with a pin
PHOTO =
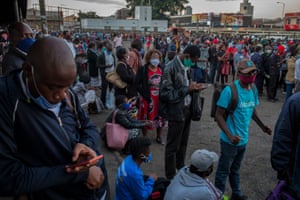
x=126, y=106
x=25, y=44
x=148, y=159
x=41, y=100
x=44, y=103
x=154, y=62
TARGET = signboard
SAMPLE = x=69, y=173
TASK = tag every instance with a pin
x=200, y=18
x=231, y=19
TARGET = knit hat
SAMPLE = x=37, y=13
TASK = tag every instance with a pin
x=202, y=159
x=245, y=66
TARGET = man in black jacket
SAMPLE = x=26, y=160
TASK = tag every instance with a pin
x=44, y=130
x=175, y=99
x=20, y=40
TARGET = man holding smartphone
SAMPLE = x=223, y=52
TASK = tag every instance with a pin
x=44, y=130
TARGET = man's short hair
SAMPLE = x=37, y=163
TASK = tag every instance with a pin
x=138, y=146
x=193, y=51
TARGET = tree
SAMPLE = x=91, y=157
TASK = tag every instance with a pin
x=159, y=7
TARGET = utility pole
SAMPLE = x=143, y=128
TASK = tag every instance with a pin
x=43, y=16
x=282, y=15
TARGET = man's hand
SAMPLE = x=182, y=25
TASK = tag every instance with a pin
x=268, y=130
x=234, y=139
x=82, y=153
x=95, y=178
x=197, y=86
x=154, y=176
x=148, y=123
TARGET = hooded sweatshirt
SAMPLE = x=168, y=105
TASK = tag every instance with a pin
x=189, y=186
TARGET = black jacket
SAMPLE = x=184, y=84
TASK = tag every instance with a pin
x=102, y=65
x=92, y=60
x=126, y=74
x=36, y=145
x=173, y=91
x=142, y=83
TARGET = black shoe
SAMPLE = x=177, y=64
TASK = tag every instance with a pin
x=243, y=197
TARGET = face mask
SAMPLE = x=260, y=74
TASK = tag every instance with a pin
x=147, y=159
x=154, y=62
x=166, y=60
x=41, y=100
x=247, y=79
x=126, y=106
x=103, y=50
x=25, y=44
x=187, y=62
x=268, y=51
x=298, y=56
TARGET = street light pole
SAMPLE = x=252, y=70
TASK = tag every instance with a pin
x=282, y=15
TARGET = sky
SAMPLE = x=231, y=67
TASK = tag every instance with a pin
x=262, y=8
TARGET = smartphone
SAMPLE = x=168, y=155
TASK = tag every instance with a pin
x=83, y=163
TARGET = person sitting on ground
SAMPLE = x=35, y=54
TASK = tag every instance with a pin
x=130, y=180
x=192, y=182
x=123, y=118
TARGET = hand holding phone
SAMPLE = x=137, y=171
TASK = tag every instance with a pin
x=83, y=164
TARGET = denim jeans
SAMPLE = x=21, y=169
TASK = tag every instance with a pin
x=229, y=165
x=213, y=70
x=289, y=89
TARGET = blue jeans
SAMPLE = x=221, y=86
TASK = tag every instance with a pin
x=289, y=89
x=229, y=165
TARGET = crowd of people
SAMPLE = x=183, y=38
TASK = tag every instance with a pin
x=45, y=130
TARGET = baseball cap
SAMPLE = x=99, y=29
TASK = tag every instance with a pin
x=245, y=66
x=215, y=41
x=202, y=159
x=280, y=48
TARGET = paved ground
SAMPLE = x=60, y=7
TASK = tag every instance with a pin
x=257, y=176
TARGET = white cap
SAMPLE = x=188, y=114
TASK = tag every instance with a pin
x=202, y=159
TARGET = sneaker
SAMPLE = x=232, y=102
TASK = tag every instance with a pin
x=243, y=197
x=159, y=140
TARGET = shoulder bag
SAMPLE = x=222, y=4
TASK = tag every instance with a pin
x=116, y=135
x=114, y=78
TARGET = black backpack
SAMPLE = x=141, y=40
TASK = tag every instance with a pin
x=218, y=88
x=159, y=188
x=234, y=100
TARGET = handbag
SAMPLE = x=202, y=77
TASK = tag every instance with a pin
x=116, y=135
x=281, y=192
x=197, y=106
x=114, y=78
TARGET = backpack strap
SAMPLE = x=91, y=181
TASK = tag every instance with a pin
x=234, y=99
x=71, y=102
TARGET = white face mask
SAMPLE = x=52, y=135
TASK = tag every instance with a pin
x=155, y=62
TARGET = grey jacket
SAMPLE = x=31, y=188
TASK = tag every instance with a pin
x=173, y=91
x=189, y=186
